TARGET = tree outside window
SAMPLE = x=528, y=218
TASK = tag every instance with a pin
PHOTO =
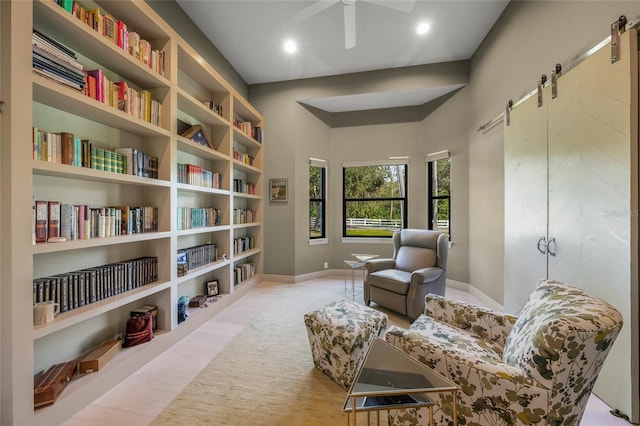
x=374, y=200
x=317, y=201
x=439, y=172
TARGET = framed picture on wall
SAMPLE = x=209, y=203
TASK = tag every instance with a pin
x=278, y=191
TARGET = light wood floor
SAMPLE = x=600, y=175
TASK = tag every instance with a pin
x=141, y=397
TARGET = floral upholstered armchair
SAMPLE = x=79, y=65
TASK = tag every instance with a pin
x=538, y=369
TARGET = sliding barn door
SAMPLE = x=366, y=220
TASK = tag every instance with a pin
x=525, y=200
x=591, y=128
x=571, y=190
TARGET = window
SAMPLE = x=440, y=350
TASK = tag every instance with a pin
x=317, y=200
x=374, y=199
x=439, y=179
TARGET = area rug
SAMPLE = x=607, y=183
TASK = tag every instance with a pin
x=265, y=375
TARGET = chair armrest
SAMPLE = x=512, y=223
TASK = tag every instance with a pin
x=426, y=275
x=374, y=265
x=488, y=323
x=421, y=348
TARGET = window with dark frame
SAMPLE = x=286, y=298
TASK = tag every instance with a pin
x=374, y=200
x=439, y=195
x=317, y=201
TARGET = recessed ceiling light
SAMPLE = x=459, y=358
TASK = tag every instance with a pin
x=422, y=28
x=290, y=46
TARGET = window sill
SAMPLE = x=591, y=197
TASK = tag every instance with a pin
x=356, y=240
x=318, y=241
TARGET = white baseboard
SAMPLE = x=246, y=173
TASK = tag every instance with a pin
x=289, y=279
x=339, y=273
x=483, y=298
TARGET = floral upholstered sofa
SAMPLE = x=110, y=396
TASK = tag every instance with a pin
x=537, y=369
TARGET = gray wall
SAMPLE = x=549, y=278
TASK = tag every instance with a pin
x=527, y=41
x=294, y=134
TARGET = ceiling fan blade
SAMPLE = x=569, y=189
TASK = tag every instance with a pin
x=401, y=5
x=349, y=26
x=312, y=9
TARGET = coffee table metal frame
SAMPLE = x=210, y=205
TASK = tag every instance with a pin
x=385, y=358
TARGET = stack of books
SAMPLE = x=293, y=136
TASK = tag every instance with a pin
x=56, y=61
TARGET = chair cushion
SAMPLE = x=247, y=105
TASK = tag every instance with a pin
x=455, y=340
x=393, y=280
x=411, y=258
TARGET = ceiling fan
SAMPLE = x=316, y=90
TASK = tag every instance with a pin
x=349, y=14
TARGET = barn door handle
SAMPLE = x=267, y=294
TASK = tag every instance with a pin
x=554, y=245
x=542, y=245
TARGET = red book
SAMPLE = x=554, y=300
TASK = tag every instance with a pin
x=98, y=75
x=91, y=87
x=123, y=93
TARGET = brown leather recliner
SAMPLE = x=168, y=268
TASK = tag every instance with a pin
x=418, y=268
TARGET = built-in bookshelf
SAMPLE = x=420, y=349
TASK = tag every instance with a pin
x=131, y=190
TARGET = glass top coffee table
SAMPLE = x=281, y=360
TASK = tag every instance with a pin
x=389, y=379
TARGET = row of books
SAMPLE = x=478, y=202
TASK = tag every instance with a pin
x=242, y=157
x=213, y=107
x=243, y=272
x=137, y=103
x=195, y=257
x=117, y=32
x=192, y=174
x=243, y=244
x=198, y=217
x=53, y=219
x=243, y=216
x=65, y=148
x=55, y=61
x=248, y=128
x=78, y=288
x=240, y=185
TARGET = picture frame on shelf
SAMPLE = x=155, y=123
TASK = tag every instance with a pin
x=278, y=190
x=198, y=135
x=212, y=288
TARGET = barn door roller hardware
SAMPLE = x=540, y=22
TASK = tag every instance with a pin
x=617, y=28
x=554, y=80
x=541, y=82
x=2, y=104
x=507, y=112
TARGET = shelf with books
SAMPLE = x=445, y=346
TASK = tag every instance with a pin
x=202, y=82
x=194, y=148
x=69, y=30
x=42, y=248
x=92, y=310
x=199, y=110
x=202, y=230
x=190, y=89
x=246, y=140
x=45, y=168
x=246, y=254
x=50, y=93
x=202, y=270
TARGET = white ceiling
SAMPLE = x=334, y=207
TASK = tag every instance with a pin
x=251, y=33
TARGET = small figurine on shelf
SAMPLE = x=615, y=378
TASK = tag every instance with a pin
x=183, y=313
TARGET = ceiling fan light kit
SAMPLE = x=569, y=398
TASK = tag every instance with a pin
x=349, y=7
